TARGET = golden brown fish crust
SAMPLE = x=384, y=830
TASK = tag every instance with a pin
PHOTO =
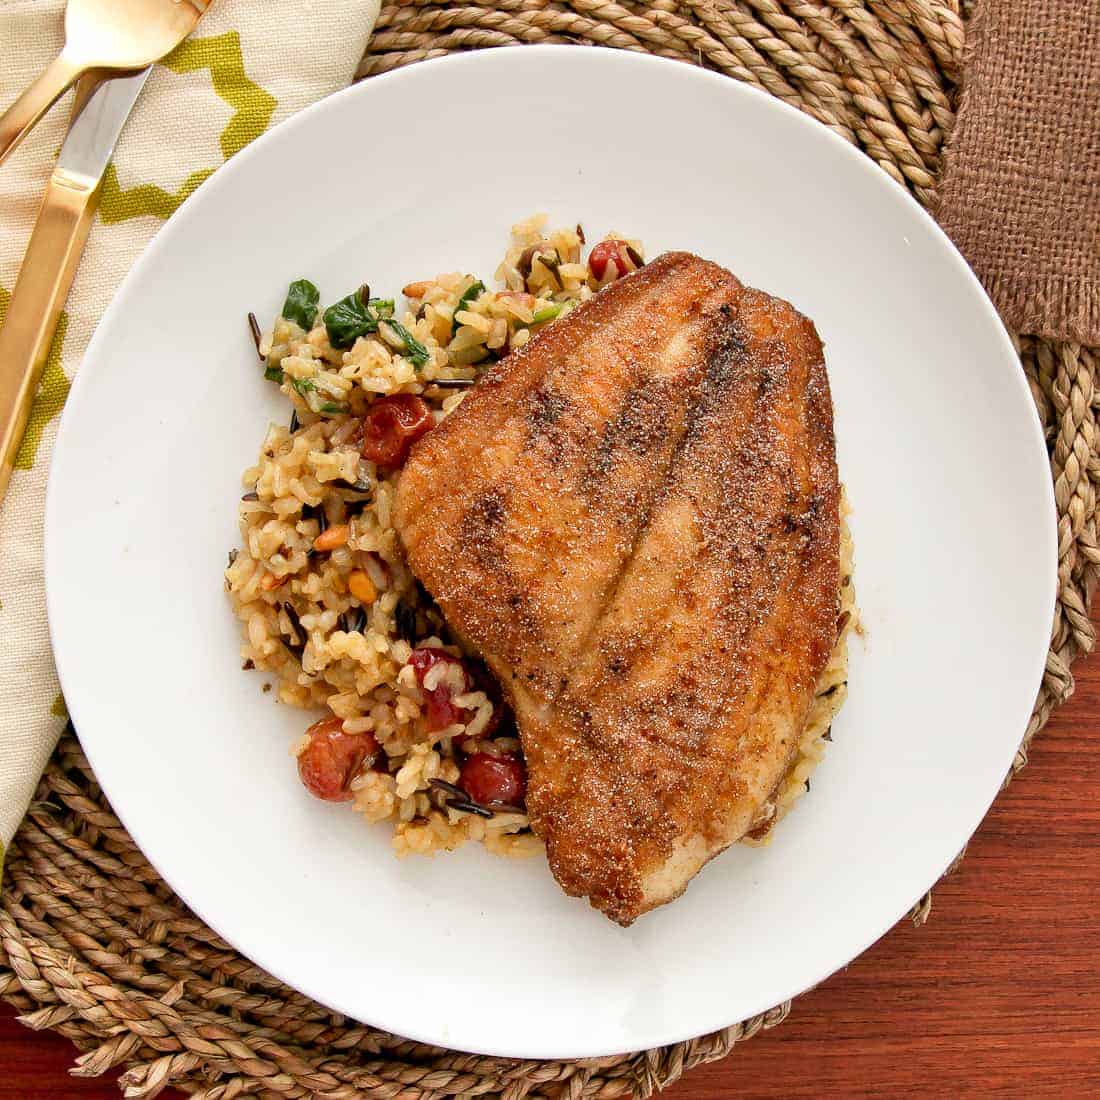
x=634, y=519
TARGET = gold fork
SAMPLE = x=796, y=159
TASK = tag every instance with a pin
x=101, y=36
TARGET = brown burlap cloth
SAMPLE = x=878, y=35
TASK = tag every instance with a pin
x=1021, y=193
x=94, y=945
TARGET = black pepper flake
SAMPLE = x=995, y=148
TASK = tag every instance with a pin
x=251, y=496
x=295, y=423
x=828, y=734
x=248, y=665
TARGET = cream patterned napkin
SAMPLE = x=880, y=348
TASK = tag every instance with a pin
x=248, y=65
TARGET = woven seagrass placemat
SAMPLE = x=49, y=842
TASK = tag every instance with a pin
x=94, y=945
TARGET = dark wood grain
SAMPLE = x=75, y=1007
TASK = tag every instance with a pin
x=998, y=995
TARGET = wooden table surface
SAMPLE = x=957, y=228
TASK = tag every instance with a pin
x=998, y=994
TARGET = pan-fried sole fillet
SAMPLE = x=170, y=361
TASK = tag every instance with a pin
x=634, y=519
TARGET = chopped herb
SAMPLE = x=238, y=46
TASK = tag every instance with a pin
x=274, y=374
x=470, y=294
x=302, y=299
x=257, y=336
x=356, y=315
x=302, y=386
x=415, y=351
x=332, y=407
x=547, y=313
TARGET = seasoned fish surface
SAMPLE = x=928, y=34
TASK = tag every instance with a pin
x=634, y=519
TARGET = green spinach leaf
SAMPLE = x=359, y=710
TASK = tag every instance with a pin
x=355, y=316
x=302, y=298
x=468, y=295
x=415, y=351
x=547, y=313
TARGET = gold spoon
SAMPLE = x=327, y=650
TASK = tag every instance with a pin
x=101, y=36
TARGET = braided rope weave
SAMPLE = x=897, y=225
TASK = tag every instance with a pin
x=94, y=945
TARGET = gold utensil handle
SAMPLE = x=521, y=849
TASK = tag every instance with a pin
x=49, y=265
x=18, y=120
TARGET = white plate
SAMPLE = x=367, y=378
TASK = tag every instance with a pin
x=424, y=171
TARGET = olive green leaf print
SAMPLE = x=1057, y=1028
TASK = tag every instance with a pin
x=52, y=391
x=222, y=56
x=117, y=205
x=253, y=108
x=58, y=708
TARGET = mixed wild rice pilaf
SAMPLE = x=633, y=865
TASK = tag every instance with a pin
x=415, y=732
